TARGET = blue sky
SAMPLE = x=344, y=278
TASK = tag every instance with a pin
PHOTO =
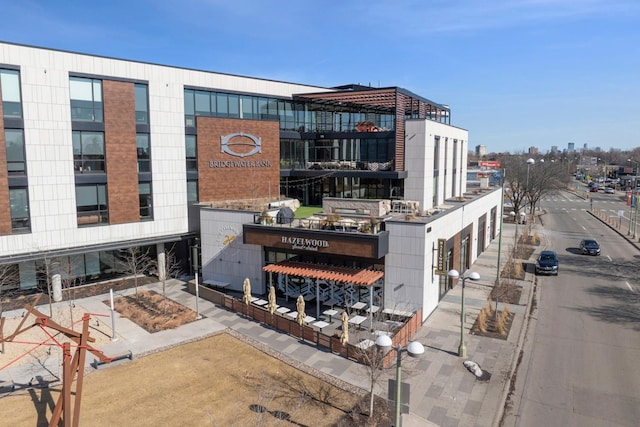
x=516, y=73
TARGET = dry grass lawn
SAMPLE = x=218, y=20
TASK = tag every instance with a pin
x=219, y=381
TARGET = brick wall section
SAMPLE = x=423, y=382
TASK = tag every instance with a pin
x=240, y=182
x=121, y=152
x=5, y=209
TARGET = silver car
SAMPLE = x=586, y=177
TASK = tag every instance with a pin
x=590, y=247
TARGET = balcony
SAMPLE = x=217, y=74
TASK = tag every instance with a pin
x=350, y=165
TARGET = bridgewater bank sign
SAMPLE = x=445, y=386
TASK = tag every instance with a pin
x=239, y=164
x=240, y=144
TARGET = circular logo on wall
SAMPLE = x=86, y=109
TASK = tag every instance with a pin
x=226, y=239
x=240, y=144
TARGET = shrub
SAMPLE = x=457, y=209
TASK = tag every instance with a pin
x=490, y=306
x=481, y=324
x=500, y=325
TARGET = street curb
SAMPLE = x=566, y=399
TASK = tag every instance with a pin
x=630, y=240
x=515, y=358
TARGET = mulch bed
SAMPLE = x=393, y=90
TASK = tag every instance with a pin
x=530, y=240
x=16, y=300
x=510, y=272
x=491, y=330
x=507, y=292
x=152, y=311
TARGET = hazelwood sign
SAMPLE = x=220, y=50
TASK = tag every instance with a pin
x=304, y=244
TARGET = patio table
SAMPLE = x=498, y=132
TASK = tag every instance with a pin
x=321, y=324
x=357, y=320
x=330, y=313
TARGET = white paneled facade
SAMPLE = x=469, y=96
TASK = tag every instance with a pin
x=410, y=278
x=435, y=174
x=44, y=83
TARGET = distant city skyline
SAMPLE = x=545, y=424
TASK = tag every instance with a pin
x=516, y=73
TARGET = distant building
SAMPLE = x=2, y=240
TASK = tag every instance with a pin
x=481, y=150
x=554, y=149
x=533, y=151
x=571, y=146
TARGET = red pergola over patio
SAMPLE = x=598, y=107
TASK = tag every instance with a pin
x=325, y=272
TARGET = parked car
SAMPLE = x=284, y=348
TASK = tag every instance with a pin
x=594, y=189
x=547, y=263
x=609, y=190
x=589, y=247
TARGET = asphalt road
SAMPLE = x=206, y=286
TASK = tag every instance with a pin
x=580, y=364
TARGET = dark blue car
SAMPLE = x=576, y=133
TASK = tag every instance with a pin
x=547, y=263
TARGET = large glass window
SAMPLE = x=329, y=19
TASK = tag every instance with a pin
x=286, y=115
x=192, y=191
x=146, y=207
x=234, y=106
x=19, y=201
x=456, y=168
x=88, y=152
x=91, y=204
x=291, y=115
x=10, y=88
x=142, y=144
x=191, y=153
x=86, y=99
x=436, y=153
x=203, y=103
x=14, y=142
x=263, y=108
x=189, y=108
x=142, y=104
x=222, y=105
x=249, y=107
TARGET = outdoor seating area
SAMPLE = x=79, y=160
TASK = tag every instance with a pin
x=362, y=317
x=329, y=294
x=325, y=329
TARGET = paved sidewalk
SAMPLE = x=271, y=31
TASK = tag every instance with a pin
x=442, y=391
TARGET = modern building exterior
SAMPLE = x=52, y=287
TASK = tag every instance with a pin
x=103, y=154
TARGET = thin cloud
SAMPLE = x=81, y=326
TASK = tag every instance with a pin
x=428, y=18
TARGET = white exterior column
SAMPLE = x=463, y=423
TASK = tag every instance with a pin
x=162, y=268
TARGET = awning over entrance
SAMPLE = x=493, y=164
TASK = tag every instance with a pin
x=325, y=272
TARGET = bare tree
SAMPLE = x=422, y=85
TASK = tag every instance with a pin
x=527, y=183
x=171, y=268
x=545, y=178
x=44, y=269
x=9, y=278
x=71, y=277
x=136, y=262
x=372, y=357
x=515, y=182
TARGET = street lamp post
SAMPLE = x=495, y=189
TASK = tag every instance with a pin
x=504, y=172
x=453, y=274
x=414, y=349
x=634, y=199
x=635, y=217
x=635, y=172
x=194, y=261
